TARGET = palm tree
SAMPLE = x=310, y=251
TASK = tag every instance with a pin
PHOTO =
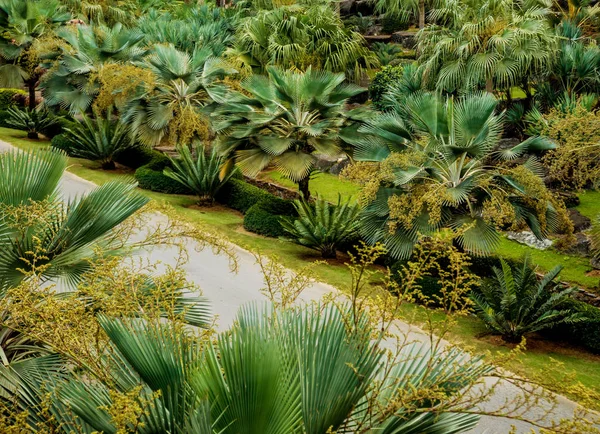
x=515, y=302
x=288, y=118
x=498, y=44
x=24, y=22
x=183, y=85
x=406, y=9
x=72, y=80
x=39, y=233
x=297, y=37
x=281, y=371
x=437, y=171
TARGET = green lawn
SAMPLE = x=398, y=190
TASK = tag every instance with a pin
x=324, y=184
x=533, y=362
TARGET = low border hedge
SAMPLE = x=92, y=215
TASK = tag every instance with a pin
x=586, y=334
x=264, y=217
x=150, y=177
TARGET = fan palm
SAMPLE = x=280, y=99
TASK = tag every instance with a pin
x=497, y=43
x=108, y=12
x=323, y=227
x=435, y=155
x=40, y=233
x=203, y=174
x=277, y=371
x=515, y=302
x=183, y=84
x=297, y=37
x=99, y=139
x=24, y=22
x=287, y=119
x=71, y=81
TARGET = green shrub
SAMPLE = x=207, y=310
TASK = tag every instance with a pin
x=7, y=97
x=264, y=217
x=323, y=227
x=240, y=195
x=382, y=82
x=204, y=174
x=136, y=156
x=151, y=177
x=515, y=302
x=99, y=138
x=62, y=142
x=4, y=116
x=483, y=266
x=430, y=286
x=586, y=333
x=57, y=127
x=391, y=24
x=33, y=121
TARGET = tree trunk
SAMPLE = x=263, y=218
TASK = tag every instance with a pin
x=489, y=85
x=303, y=187
x=108, y=165
x=421, y=14
x=508, y=96
x=31, y=88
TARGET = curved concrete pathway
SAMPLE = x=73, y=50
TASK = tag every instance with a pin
x=228, y=291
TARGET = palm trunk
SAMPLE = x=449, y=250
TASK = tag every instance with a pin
x=31, y=88
x=421, y=14
x=489, y=85
x=303, y=187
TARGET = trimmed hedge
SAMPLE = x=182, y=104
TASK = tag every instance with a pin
x=137, y=156
x=483, y=265
x=7, y=97
x=61, y=142
x=264, y=217
x=240, y=195
x=151, y=177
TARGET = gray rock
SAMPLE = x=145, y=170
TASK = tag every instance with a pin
x=580, y=222
x=581, y=246
x=340, y=165
x=529, y=239
x=595, y=263
x=406, y=38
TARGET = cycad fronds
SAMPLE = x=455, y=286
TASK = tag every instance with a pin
x=323, y=227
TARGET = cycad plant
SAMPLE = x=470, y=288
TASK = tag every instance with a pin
x=323, y=227
x=41, y=234
x=438, y=168
x=276, y=370
x=204, y=174
x=34, y=121
x=285, y=119
x=515, y=302
x=98, y=139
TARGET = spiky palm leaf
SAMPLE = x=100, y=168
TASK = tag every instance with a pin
x=203, y=174
x=68, y=235
x=98, y=139
x=288, y=118
x=449, y=143
x=323, y=227
x=33, y=121
x=515, y=302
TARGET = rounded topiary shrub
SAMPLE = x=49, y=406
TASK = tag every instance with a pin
x=137, y=156
x=382, y=81
x=585, y=333
x=264, y=217
x=151, y=177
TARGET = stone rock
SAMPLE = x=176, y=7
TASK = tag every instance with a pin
x=570, y=199
x=340, y=165
x=529, y=239
x=580, y=222
x=406, y=38
x=595, y=262
x=581, y=246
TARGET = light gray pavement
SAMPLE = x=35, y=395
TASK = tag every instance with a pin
x=228, y=291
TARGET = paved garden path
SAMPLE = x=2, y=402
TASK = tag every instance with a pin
x=228, y=291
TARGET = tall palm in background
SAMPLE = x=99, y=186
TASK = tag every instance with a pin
x=183, y=85
x=40, y=233
x=448, y=172
x=71, y=82
x=496, y=44
x=280, y=371
x=286, y=120
x=24, y=23
x=297, y=37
